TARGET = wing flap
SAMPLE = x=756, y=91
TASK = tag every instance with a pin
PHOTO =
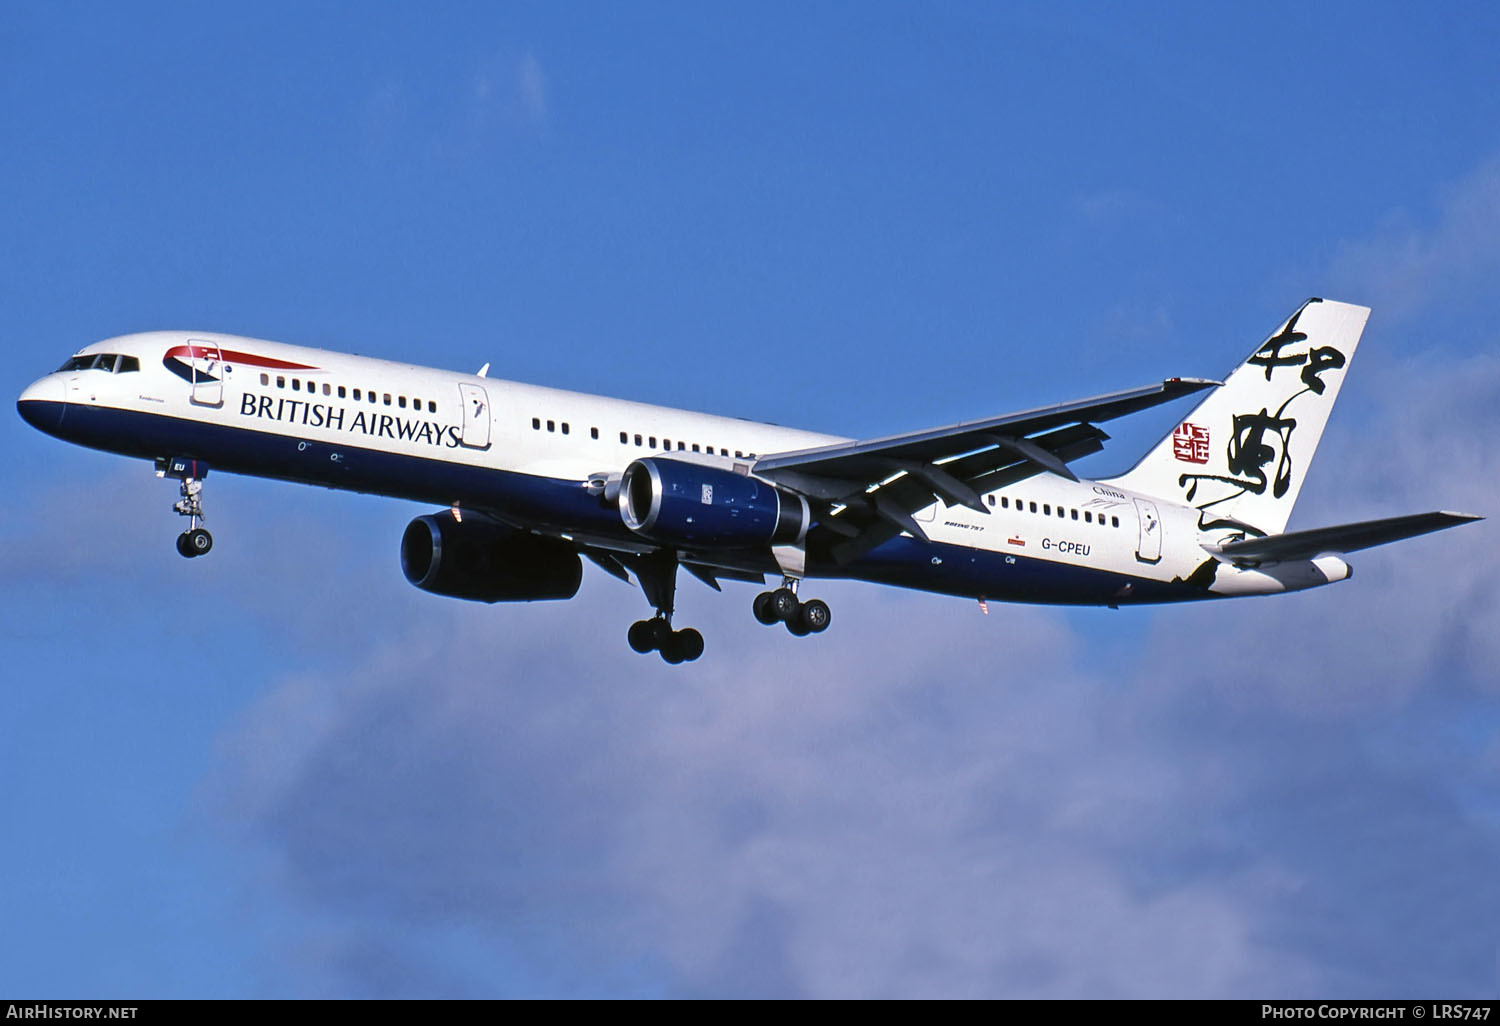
x=861, y=526
x=711, y=574
x=869, y=460
x=867, y=492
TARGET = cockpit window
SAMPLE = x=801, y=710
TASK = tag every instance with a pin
x=110, y=363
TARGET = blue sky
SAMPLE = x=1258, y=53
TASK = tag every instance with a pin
x=281, y=771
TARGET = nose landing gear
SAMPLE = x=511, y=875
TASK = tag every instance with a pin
x=195, y=541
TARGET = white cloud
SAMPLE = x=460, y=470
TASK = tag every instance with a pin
x=531, y=89
x=507, y=91
x=922, y=802
x=1409, y=264
x=504, y=95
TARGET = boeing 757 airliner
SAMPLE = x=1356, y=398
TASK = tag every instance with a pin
x=532, y=480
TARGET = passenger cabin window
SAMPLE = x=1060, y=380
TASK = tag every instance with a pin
x=552, y=425
x=1114, y=521
x=356, y=395
x=624, y=438
x=594, y=433
x=536, y=423
x=401, y=401
x=265, y=379
x=565, y=427
x=296, y=384
x=342, y=394
x=388, y=398
x=280, y=381
x=431, y=406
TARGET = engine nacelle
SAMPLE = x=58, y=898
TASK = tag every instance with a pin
x=676, y=502
x=488, y=562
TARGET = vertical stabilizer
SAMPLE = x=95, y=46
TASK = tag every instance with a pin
x=1243, y=452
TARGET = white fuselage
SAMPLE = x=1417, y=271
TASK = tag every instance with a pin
x=543, y=459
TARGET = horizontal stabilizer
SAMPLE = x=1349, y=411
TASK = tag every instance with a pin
x=1340, y=539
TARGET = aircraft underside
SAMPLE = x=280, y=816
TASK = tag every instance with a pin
x=565, y=508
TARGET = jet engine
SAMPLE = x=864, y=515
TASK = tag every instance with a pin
x=485, y=561
x=680, y=503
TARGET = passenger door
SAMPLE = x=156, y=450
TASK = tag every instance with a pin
x=208, y=373
x=1148, y=546
x=476, y=406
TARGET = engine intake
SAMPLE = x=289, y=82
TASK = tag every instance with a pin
x=676, y=502
x=484, y=561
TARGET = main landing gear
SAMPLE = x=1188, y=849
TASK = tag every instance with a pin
x=195, y=541
x=658, y=576
x=783, y=606
x=657, y=635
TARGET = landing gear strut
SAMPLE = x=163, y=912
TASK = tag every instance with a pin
x=783, y=606
x=658, y=576
x=195, y=541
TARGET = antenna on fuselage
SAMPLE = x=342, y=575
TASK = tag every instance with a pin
x=483, y=371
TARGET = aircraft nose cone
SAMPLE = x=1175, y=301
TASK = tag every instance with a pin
x=42, y=406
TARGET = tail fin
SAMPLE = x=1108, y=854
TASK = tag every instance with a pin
x=1242, y=453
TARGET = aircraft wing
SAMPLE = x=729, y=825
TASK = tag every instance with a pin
x=867, y=491
x=1340, y=539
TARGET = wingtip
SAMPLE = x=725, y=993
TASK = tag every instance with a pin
x=1461, y=517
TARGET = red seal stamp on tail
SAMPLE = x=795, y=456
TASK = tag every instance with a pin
x=1190, y=443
